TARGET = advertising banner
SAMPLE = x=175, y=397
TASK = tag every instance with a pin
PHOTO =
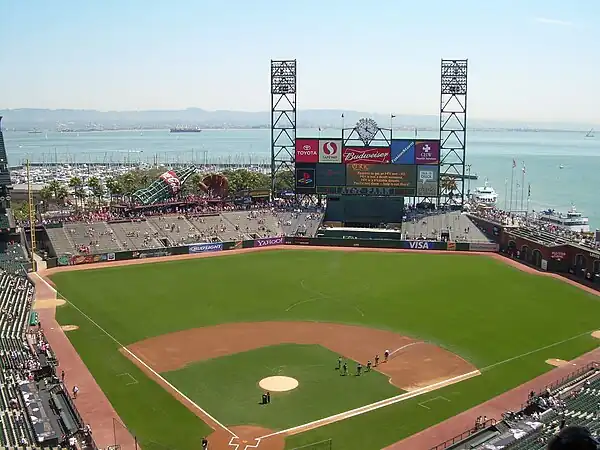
x=305, y=179
x=403, y=151
x=419, y=245
x=380, y=175
x=81, y=259
x=427, y=152
x=267, y=242
x=483, y=247
x=366, y=155
x=330, y=151
x=427, y=181
x=330, y=174
x=143, y=254
x=307, y=150
x=203, y=248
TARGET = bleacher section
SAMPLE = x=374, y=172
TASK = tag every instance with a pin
x=35, y=410
x=174, y=230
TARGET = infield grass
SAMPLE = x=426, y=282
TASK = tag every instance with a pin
x=477, y=307
x=228, y=386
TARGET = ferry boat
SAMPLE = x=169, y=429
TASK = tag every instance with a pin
x=484, y=195
x=572, y=220
x=185, y=130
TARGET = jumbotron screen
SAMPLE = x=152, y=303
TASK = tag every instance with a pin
x=407, y=167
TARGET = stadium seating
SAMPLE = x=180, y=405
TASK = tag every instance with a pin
x=13, y=258
x=136, y=235
x=97, y=236
x=61, y=242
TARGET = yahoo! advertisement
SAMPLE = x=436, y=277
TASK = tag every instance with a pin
x=427, y=152
x=202, y=248
x=267, y=242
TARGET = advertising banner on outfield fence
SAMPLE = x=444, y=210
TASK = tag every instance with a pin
x=403, y=151
x=418, y=245
x=483, y=247
x=143, y=254
x=307, y=150
x=202, y=248
x=267, y=242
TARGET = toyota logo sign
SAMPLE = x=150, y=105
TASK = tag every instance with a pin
x=307, y=147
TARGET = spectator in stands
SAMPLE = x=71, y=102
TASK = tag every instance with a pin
x=573, y=438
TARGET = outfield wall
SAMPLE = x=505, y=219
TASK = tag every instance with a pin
x=75, y=260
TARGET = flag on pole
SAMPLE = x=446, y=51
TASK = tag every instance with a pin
x=523, y=166
x=514, y=164
x=342, y=115
x=320, y=129
x=529, y=191
x=392, y=116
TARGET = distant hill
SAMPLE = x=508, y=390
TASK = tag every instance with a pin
x=50, y=119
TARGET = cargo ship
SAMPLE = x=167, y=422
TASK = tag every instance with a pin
x=185, y=130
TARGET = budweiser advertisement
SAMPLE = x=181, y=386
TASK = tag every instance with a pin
x=330, y=151
x=427, y=152
x=307, y=150
x=366, y=155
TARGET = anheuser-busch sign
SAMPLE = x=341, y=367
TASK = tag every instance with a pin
x=269, y=241
x=370, y=155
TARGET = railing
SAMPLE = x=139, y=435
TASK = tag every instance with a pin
x=465, y=434
x=566, y=379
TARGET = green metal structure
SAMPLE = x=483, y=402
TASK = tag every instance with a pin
x=167, y=186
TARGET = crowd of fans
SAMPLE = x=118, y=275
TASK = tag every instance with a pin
x=534, y=224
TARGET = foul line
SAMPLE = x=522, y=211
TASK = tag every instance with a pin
x=373, y=406
x=125, y=349
x=522, y=355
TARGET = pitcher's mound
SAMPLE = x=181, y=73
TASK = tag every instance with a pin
x=278, y=384
x=557, y=362
x=69, y=327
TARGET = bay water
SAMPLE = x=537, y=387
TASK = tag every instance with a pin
x=562, y=168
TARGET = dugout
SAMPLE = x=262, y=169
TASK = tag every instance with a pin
x=364, y=211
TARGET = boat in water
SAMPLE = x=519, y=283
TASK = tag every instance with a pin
x=484, y=196
x=185, y=130
x=572, y=220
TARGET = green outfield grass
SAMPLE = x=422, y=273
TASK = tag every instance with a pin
x=477, y=307
x=228, y=386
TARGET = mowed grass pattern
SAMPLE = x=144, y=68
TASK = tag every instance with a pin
x=228, y=386
x=477, y=307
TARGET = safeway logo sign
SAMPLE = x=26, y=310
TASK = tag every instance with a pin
x=373, y=155
x=420, y=245
x=330, y=151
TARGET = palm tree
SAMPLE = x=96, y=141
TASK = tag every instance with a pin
x=96, y=187
x=76, y=183
x=448, y=185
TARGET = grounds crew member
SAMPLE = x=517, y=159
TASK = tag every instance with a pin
x=386, y=355
x=368, y=365
x=345, y=368
x=376, y=360
x=204, y=443
x=358, y=369
x=339, y=367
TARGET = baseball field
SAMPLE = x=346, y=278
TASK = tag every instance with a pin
x=186, y=348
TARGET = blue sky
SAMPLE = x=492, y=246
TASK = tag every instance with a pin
x=531, y=60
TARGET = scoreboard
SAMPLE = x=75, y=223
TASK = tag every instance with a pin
x=407, y=168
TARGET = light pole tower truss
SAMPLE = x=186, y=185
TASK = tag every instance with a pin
x=283, y=118
x=453, y=131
